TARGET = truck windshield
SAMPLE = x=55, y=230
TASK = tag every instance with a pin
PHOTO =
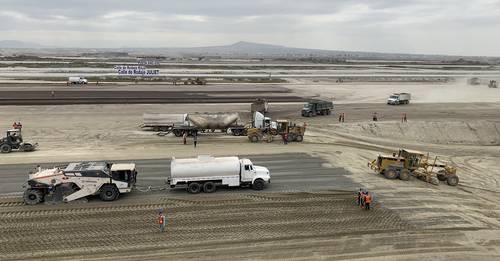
x=307, y=105
x=394, y=97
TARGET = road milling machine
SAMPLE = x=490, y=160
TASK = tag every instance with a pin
x=408, y=163
x=78, y=180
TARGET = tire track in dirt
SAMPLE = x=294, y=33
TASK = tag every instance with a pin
x=102, y=228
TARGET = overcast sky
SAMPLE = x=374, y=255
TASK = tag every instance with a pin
x=461, y=27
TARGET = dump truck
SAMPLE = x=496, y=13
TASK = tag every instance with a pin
x=14, y=141
x=80, y=179
x=193, y=123
x=399, y=98
x=317, y=107
x=259, y=105
x=408, y=163
x=206, y=173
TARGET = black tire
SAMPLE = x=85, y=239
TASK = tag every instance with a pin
x=299, y=138
x=109, y=193
x=177, y=133
x=194, y=188
x=452, y=180
x=33, y=196
x=390, y=174
x=310, y=114
x=404, y=175
x=253, y=138
x=27, y=147
x=156, y=128
x=258, y=184
x=209, y=187
x=441, y=177
x=5, y=148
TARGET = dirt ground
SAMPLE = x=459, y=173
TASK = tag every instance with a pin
x=413, y=220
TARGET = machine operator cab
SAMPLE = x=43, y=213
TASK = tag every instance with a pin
x=124, y=172
x=14, y=136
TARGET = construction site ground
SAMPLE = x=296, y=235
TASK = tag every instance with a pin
x=307, y=212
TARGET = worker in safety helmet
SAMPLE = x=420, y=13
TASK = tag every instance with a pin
x=161, y=220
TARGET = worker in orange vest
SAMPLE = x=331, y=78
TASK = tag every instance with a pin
x=161, y=220
x=368, y=200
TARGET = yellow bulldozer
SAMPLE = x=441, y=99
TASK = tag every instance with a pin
x=408, y=163
x=295, y=132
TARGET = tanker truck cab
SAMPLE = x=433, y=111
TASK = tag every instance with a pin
x=250, y=174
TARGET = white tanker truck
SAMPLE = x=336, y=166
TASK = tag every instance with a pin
x=206, y=173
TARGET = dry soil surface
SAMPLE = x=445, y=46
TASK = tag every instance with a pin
x=412, y=220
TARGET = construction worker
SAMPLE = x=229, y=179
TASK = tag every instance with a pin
x=285, y=138
x=184, y=138
x=343, y=117
x=14, y=125
x=195, y=139
x=340, y=117
x=368, y=200
x=52, y=94
x=375, y=117
x=359, y=196
x=19, y=125
x=404, y=117
x=161, y=220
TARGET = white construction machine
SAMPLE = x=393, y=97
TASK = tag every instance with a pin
x=78, y=180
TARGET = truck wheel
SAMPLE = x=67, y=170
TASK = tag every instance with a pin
x=194, y=188
x=299, y=138
x=390, y=174
x=452, y=180
x=156, y=128
x=258, y=184
x=310, y=114
x=404, y=175
x=5, y=148
x=209, y=187
x=109, y=193
x=33, y=196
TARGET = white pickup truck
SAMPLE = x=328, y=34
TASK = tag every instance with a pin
x=399, y=98
x=206, y=173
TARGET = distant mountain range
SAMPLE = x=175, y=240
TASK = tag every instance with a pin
x=240, y=49
x=19, y=44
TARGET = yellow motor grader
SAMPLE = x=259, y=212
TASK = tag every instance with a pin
x=408, y=163
x=294, y=132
